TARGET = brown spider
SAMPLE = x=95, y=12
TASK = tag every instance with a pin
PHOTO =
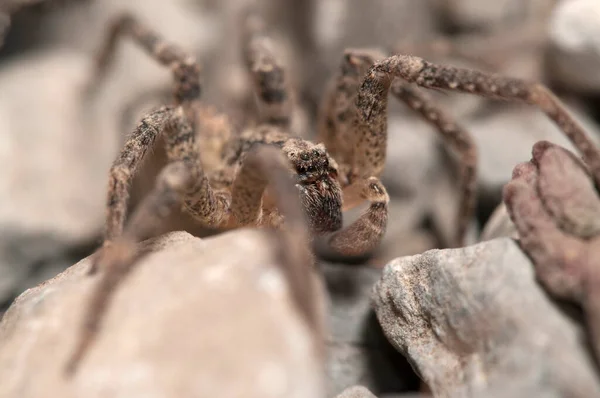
x=224, y=180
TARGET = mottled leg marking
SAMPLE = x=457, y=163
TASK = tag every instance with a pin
x=125, y=167
x=336, y=119
x=429, y=75
x=269, y=78
x=186, y=71
x=363, y=235
x=262, y=166
x=354, y=127
x=459, y=140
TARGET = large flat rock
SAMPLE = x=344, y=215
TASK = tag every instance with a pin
x=194, y=318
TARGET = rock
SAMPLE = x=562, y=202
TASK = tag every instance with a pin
x=505, y=136
x=499, y=225
x=60, y=146
x=574, y=49
x=56, y=163
x=474, y=319
x=358, y=352
x=356, y=392
x=490, y=15
x=196, y=317
x=378, y=23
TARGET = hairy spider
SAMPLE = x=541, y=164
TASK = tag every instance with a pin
x=223, y=180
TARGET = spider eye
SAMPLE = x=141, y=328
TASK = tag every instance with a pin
x=315, y=152
x=304, y=156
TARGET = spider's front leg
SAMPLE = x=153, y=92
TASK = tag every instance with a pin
x=183, y=182
x=354, y=126
x=429, y=75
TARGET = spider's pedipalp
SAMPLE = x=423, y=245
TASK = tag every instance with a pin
x=364, y=234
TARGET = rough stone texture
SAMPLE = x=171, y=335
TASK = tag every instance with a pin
x=358, y=352
x=356, y=392
x=574, y=50
x=474, y=319
x=196, y=317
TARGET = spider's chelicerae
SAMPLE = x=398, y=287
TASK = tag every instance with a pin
x=225, y=179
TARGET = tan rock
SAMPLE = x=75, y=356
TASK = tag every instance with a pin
x=356, y=392
x=196, y=317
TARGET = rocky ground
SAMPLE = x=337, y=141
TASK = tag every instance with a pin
x=214, y=316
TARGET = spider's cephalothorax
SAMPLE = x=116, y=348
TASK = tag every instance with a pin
x=223, y=178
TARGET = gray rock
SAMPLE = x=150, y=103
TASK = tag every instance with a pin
x=473, y=320
x=356, y=392
x=499, y=225
x=505, y=136
x=574, y=50
x=196, y=317
x=357, y=350
x=489, y=15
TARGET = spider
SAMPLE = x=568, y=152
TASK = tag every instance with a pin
x=224, y=180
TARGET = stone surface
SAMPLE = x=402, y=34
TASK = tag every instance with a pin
x=474, y=319
x=356, y=392
x=574, y=49
x=196, y=317
x=506, y=134
x=499, y=225
x=358, y=352
x=489, y=15
x=57, y=147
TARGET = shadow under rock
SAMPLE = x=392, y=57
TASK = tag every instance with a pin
x=358, y=351
x=28, y=259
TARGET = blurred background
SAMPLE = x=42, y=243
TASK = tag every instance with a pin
x=56, y=147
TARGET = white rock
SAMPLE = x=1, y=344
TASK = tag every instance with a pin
x=575, y=44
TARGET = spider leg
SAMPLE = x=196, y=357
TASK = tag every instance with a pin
x=126, y=166
x=186, y=71
x=183, y=182
x=264, y=166
x=456, y=138
x=335, y=124
x=354, y=124
x=271, y=86
x=364, y=234
x=429, y=75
